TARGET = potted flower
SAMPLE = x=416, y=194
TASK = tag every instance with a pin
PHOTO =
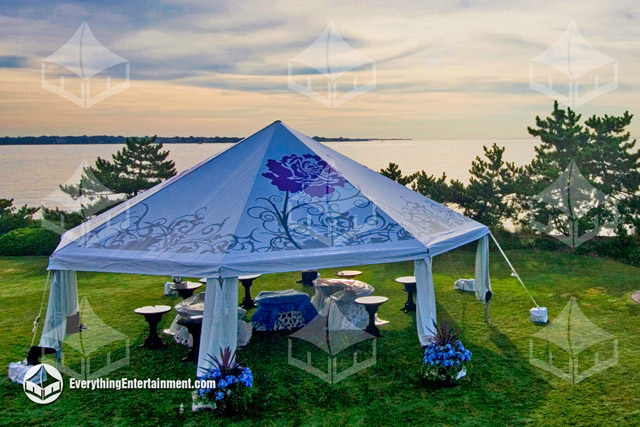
x=445, y=358
x=233, y=385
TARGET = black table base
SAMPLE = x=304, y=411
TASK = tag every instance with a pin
x=185, y=293
x=247, y=302
x=409, y=306
x=371, y=328
x=153, y=341
x=195, y=329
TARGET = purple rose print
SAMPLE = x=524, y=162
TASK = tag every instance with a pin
x=308, y=173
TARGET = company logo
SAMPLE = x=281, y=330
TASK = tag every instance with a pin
x=333, y=333
x=42, y=384
x=84, y=70
x=569, y=338
x=574, y=208
x=329, y=70
x=572, y=71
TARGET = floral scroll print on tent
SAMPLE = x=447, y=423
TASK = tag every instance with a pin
x=299, y=202
x=572, y=61
x=308, y=173
x=83, y=71
x=331, y=69
x=573, y=347
x=319, y=208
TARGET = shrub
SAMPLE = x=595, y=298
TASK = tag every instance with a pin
x=28, y=241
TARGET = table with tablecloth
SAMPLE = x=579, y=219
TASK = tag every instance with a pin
x=282, y=310
x=194, y=306
x=344, y=292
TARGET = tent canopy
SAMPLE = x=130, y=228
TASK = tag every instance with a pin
x=276, y=201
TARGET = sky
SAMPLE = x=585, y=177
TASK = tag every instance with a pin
x=420, y=69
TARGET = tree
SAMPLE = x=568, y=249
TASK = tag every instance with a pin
x=140, y=165
x=12, y=218
x=59, y=220
x=602, y=151
x=393, y=172
x=485, y=199
x=612, y=165
x=563, y=139
x=434, y=188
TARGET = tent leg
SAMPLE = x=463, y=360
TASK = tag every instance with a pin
x=219, y=322
x=487, y=312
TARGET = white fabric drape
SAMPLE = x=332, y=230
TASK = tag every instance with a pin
x=483, y=282
x=63, y=301
x=426, y=300
x=220, y=321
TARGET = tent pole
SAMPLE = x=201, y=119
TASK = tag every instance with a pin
x=487, y=313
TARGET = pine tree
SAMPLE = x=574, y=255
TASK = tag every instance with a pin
x=612, y=164
x=562, y=139
x=602, y=151
x=434, y=188
x=393, y=172
x=486, y=196
x=12, y=217
x=138, y=166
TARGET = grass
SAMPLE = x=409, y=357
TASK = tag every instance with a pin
x=502, y=386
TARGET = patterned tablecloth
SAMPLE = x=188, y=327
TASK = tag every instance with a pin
x=282, y=310
x=344, y=292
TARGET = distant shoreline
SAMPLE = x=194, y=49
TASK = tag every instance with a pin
x=107, y=140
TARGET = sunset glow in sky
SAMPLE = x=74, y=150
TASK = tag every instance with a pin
x=206, y=68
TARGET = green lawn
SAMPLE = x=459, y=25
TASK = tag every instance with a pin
x=502, y=387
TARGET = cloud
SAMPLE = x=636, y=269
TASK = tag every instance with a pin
x=446, y=53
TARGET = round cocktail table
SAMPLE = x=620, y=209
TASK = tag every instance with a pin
x=409, y=283
x=371, y=304
x=348, y=274
x=153, y=314
x=185, y=290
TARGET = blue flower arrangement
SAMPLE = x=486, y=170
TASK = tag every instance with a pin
x=234, y=384
x=445, y=358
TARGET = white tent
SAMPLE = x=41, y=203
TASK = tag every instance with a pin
x=276, y=201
